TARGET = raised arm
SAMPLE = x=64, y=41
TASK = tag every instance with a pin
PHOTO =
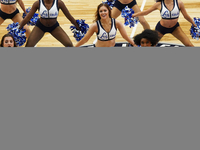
x=21, y=4
x=146, y=12
x=185, y=14
x=90, y=32
x=34, y=7
x=67, y=13
x=122, y=31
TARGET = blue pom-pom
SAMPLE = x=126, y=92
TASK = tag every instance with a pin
x=33, y=20
x=78, y=35
x=18, y=34
x=195, y=31
x=127, y=15
x=110, y=3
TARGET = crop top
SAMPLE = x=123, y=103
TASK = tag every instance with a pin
x=8, y=2
x=52, y=13
x=102, y=35
x=166, y=14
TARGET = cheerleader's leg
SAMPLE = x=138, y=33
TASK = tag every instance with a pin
x=61, y=36
x=34, y=37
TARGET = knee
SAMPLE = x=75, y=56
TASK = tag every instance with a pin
x=143, y=21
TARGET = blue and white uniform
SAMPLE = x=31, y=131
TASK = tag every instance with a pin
x=4, y=15
x=166, y=14
x=52, y=13
x=102, y=35
x=8, y=2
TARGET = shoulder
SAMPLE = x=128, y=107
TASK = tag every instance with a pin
x=94, y=27
x=157, y=4
x=36, y=4
x=60, y=2
x=118, y=23
x=180, y=3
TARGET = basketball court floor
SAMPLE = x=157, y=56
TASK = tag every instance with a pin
x=86, y=9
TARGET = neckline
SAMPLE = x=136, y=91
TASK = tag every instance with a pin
x=103, y=27
x=51, y=5
x=173, y=5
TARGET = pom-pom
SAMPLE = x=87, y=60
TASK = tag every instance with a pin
x=195, y=31
x=78, y=35
x=110, y=3
x=127, y=15
x=33, y=20
x=18, y=34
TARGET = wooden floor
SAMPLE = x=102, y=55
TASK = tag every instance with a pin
x=85, y=10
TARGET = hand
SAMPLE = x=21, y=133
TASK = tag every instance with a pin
x=194, y=25
x=133, y=15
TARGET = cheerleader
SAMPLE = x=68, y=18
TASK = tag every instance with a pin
x=48, y=10
x=119, y=5
x=169, y=11
x=9, y=11
x=105, y=28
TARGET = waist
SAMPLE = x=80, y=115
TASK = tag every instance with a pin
x=9, y=9
x=8, y=2
x=48, y=22
x=125, y=1
x=168, y=23
x=110, y=43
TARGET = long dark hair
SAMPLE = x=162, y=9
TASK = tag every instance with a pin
x=8, y=35
x=159, y=0
x=97, y=16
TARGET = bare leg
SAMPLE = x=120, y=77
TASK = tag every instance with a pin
x=18, y=18
x=1, y=20
x=61, y=36
x=180, y=35
x=115, y=12
x=141, y=18
x=160, y=35
x=34, y=37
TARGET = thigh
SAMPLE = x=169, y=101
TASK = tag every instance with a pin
x=160, y=35
x=17, y=18
x=115, y=12
x=137, y=9
x=34, y=37
x=141, y=18
x=1, y=20
x=61, y=36
x=180, y=35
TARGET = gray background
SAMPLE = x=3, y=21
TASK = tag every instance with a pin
x=99, y=99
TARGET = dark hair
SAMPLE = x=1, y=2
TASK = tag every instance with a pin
x=148, y=34
x=8, y=35
x=159, y=0
x=97, y=16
